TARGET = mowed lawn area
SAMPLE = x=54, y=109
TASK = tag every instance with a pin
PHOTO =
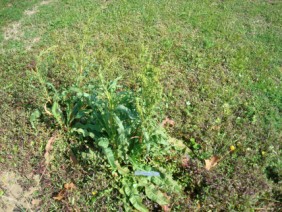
x=141, y=105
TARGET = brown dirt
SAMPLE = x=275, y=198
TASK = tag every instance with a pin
x=13, y=196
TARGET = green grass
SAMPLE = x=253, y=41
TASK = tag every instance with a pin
x=220, y=64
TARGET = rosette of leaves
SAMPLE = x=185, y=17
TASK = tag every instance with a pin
x=121, y=123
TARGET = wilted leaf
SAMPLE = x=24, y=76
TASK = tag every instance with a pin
x=212, y=162
x=60, y=195
x=48, y=148
x=69, y=186
x=168, y=122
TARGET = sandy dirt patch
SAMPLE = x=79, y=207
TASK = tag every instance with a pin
x=13, y=31
x=13, y=196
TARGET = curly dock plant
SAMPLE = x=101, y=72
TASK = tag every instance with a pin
x=123, y=124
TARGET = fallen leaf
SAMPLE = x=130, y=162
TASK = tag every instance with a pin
x=72, y=157
x=35, y=202
x=60, y=195
x=212, y=162
x=48, y=148
x=216, y=128
x=165, y=208
x=199, y=206
x=185, y=161
x=168, y=121
x=69, y=186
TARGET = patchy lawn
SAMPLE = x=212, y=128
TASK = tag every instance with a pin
x=218, y=65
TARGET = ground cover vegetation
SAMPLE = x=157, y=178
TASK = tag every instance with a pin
x=93, y=91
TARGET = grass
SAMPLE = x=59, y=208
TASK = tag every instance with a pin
x=220, y=65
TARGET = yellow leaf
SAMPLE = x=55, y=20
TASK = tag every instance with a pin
x=212, y=162
x=69, y=186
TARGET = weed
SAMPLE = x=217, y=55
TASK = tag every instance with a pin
x=124, y=124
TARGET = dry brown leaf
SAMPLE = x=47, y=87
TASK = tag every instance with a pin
x=212, y=162
x=69, y=186
x=216, y=128
x=73, y=158
x=48, y=148
x=60, y=195
x=35, y=202
x=185, y=161
x=168, y=122
x=165, y=208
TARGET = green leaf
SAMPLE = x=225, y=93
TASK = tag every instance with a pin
x=113, y=85
x=136, y=201
x=156, y=195
x=167, y=181
x=81, y=131
x=57, y=113
x=104, y=144
x=125, y=110
x=34, y=118
x=121, y=170
x=127, y=190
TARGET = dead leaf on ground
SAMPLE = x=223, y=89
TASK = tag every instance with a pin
x=69, y=186
x=165, y=208
x=60, y=195
x=72, y=157
x=48, y=148
x=212, y=162
x=35, y=202
x=185, y=161
x=168, y=122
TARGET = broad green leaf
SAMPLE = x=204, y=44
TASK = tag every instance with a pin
x=136, y=201
x=142, y=181
x=156, y=195
x=81, y=131
x=121, y=170
x=120, y=129
x=167, y=182
x=57, y=113
x=123, y=109
x=127, y=190
x=104, y=144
